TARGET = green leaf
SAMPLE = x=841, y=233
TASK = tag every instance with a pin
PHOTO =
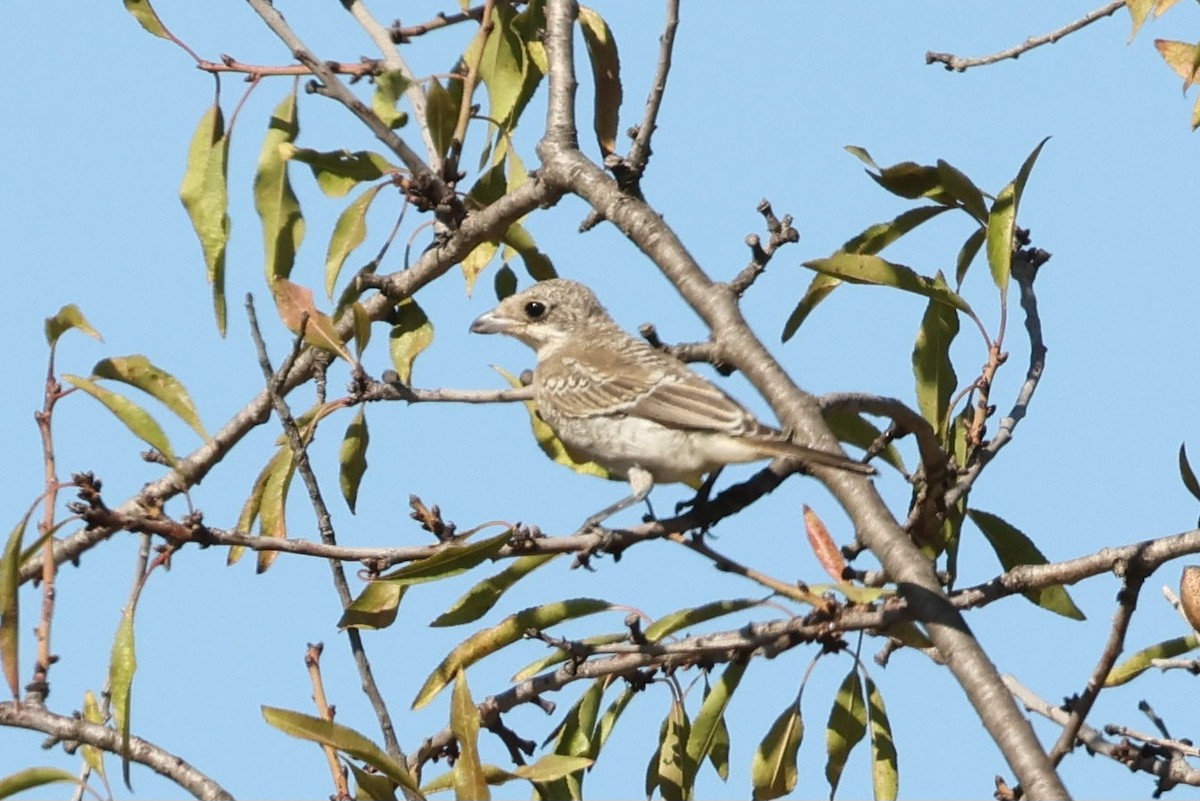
x=253, y=505
x=502, y=67
x=339, y=171
x=469, y=782
x=204, y=193
x=353, y=457
x=68, y=317
x=505, y=282
x=885, y=772
x=608, y=720
x=709, y=724
x=375, y=607
x=451, y=560
x=1186, y=473
x=867, y=269
x=29, y=778
x=122, y=665
x=92, y=713
x=550, y=444
x=411, y=334
x=349, y=232
x=343, y=738
x=966, y=254
x=676, y=772
x=362, y=329
x=10, y=609
x=441, y=113
x=846, y=727
x=1143, y=660
x=389, y=88
x=818, y=289
x=138, y=371
x=476, y=261
x=1002, y=222
x=932, y=368
x=1014, y=548
x=273, y=503
x=862, y=155
x=575, y=736
x=504, y=633
x=274, y=199
x=880, y=235
x=537, y=264
x=558, y=656
x=962, y=189
x=372, y=786
x=135, y=418
x=476, y=602
x=773, y=772
x=606, y=73
x=681, y=619
x=553, y=766
x=148, y=19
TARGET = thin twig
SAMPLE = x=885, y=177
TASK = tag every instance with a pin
x=639, y=153
x=312, y=661
x=358, y=69
x=275, y=382
x=781, y=233
x=959, y=64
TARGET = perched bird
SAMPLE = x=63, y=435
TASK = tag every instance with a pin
x=616, y=400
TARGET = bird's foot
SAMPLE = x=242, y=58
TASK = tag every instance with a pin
x=603, y=543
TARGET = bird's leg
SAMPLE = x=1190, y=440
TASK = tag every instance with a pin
x=702, y=495
x=640, y=481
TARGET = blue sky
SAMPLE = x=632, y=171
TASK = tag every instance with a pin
x=760, y=104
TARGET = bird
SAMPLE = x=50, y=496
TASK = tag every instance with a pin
x=635, y=410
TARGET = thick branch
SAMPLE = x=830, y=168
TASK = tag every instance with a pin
x=77, y=730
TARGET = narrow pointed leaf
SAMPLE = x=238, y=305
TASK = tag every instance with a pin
x=606, y=73
x=867, y=269
x=537, y=264
x=707, y=728
x=274, y=198
x=773, y=772
x=349, y=232
x=681, y=619
x=10, y=617
x=122, y=665
x=818, y=289
x=441, y=113
x=504, y=633
x=966, y=254
x=828, y=554
x=879, y=236
x=138, y=371
x=135, y=418
x=375, y=607
x=1143, y=660
x=885, y=771
x=343, y=738
x=450, y=561
x=146, y=17
x=371, y=786
x=1187, y=474
x=553, y=766
x=558, y=656
x=272, y=510
x=205, y=196
x=477, y=261
x=676, y=772
x=846, y=728
x=855, y=429
x=963, y=189
x=411, y=334
x=478, y=600
x=469, y=781
x=362, y=328
x=932, y=368
x=68, y=317
x=862, y=155
x=29, y=778
x=502, y=67
x=608, y=721
x=1014, y=548
x=253, y=505
x=352, y=458
x=92, y=713
x=1002, y=222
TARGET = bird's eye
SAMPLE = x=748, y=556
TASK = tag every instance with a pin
x=534, y=309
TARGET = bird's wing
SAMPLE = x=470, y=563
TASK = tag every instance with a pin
x=629, y=379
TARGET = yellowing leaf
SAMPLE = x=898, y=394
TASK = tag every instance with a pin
x=669, y=624
x=451, y=560
x=502, y=66
x=861, y=268
x=506, y=632
x=411, y=334
x=10, y=626
x=1002, y=222
x=121, y=667
x=476, y=602
x=92, y=713
x=68, y=317
x=146, y=17
x=1143, y=660
x=818, y=289
x=885, y=771
x=389, y=87
x=272, y=509
x=274, y=199
x=846, y=727
x=375, y=607
x=138, y=371
x=205, y=196
x=339, y=171
x=606, y=72
x=29, y=778
x=441, y=112
x=135, y=418
x=469, y=781
x=353, y=457
x=773, y=771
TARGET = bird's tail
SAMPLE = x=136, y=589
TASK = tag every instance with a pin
x=807, y=455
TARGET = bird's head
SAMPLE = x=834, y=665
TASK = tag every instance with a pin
x=546, y=314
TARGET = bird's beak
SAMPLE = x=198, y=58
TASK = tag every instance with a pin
x=490, y=323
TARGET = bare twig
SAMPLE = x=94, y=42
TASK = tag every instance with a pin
x=358, y=69
x=959, y=64
x=781, y=233
x=639, y=153
x=312, y=661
